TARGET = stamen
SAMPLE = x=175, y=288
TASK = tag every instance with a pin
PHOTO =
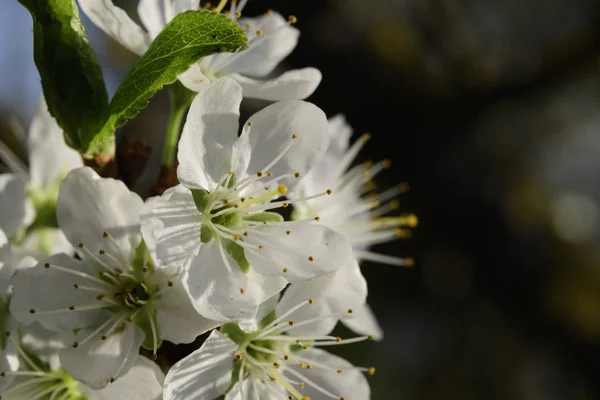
x=219, y=7
x=154, y=335
x=286, y=314
x=313, y=384
x=384, y=259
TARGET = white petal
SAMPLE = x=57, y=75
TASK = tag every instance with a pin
x=89, y=205
x=97, y=361
x=7, y=267
x=209, y=132
x=364, y=322
x=41, y=243
x=271, y=132
x=264, y=309
x=50, y=159
x=253, y=389
x=174, y=7
x=264, y=52
x=333, y=295
x=194, y=79
x=310, y=250
x=177, y=319
x=339, y=135
x=143, y=382
x=115, y=22
x=43, y=342
x=223, y=295
x=171, y=226
x=9, y=361
x=292, y=85
x=350, y=384
x=15, y=211
x=203, y=375
x=50, y=289
x=152, y=16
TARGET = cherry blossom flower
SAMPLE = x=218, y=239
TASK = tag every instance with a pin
x=28, y=194
x=217, y=223
x=113, y=300
x=271, y=38
x=274, y=356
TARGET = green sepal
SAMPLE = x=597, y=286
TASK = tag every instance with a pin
x=200, y=198
x=267, y=319
x=235, y=375
x=232, y=181
x=141, y=253
x=143, y=322
x=206, y=234
x=264, y=216
x=237, y=253
x=233, y=331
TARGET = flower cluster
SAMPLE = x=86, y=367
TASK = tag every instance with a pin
x=259, y=243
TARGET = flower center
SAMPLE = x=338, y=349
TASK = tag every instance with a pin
x=41, y=384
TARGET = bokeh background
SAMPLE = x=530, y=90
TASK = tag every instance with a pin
x=490, y=110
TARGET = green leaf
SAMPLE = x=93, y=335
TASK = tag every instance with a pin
x=237, y=253
x=189, y=36
x=200, y=198
x=71, y=76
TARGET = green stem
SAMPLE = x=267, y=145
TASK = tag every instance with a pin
x=180, y=98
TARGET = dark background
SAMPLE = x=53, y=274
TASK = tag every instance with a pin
x=490, y=110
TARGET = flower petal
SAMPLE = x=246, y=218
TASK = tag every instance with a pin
x=171, y=227
x=223, y=292
x=7, y=267
x=309, y=250
x=208, y=135
x=51, y=289
x=264, y=51
x=50, y=159
x=9, y=361
x=143, y=382
x=194, y=79
x=152, y=16
x=339, y=134
x=15, y=211
x=292, y=85
x=333, y=295
x=254, y=389
x=177, y=319
x=351, y=383
x=364, y=322
x=203, y=375
x=89, y=205
x=174, y=7
x=41, y=243
x=271, y=132
x=97, y=362
x=115, y=22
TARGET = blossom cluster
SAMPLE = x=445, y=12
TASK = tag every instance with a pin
x=259, y=243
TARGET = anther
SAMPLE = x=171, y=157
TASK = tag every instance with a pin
x=371, y=371
x=100, y=297
x=350, y=311
x=370, y=337
x=169, y=284
x=282, y=189
x=269, y=12
x=72, y=308
x=47, y=265
x=75, y=345
x=276, y=365
x=103, y=337
x=80, y=245
x=286, y=357
x=238, y=356
x=259, y=174
x=301, y=386
x=339, y=371
x=238, y=14
x=409, y=262
x=242, y=290
x=111, y=380
x=301, y=365
x=154, y=356
x=144, y=269
x=105, y=235
x=245, y=233
x=291, y=323
x=329, y=191
x=269, y=173
x=261, y=246
x=101, y=251
x=288, y=232
x=305, y=397
x=386, y=163
x=31, y=311
x=311, y=259
x=308, y=366
x=292, y=19
x=297, y=174
x=310, y=301
x=259, y=32
x=7, y=333
x=285, y=270
x=317, y=218
x=294, y=136
x=305, y=347
x=338, y=339
x=267, y=188
x=286, y=204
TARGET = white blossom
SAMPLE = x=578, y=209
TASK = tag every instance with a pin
x=353, y=211
x=217, y=224
x=113, y=300
x=9, y=360
x=272, y=357
x=28, y=194
x=271, y=38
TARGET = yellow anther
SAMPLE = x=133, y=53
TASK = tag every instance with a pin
x=75, y=345
x=101, y=251
x=47, y=265
x=238, y=356
x=112, y=380
x=248, y=26
x=386, y=163
x=282, y=189
x=261, y=246
x=404, y=187
x=338, y=339
x=242, y=199
x=105, y=235
x=294, y=136
x=366, y=137
x=269, y=173
x=266, y=188
x=154, y=356
x=305, y=347
x=269, y=12
x=371, y=371
x=308, y=366
x=286, y=357
x=285, y=270
x=339, y=371
x=301, y=386
x=245, y=233
x=370, y=337
x=76, y=286
x=169, y=283
x=259, y=174
x=296, y=174
x=208, y=4
x=286, y=204
x=350, y=311
x=288, y=233
x=276, y=364
x=394, y=204
x=242, y=290
x=329, y=191
x=317, y=218
x=259, y=32
x=409, y=262
x=291, y=323
x=292, y=19
x=236, y=237
x=238, y=14
x=311, y=259
x=413, y=220
x=301, y=365
x=100, y=297
x=402, y=233
x=310, y=301
x=80, y=245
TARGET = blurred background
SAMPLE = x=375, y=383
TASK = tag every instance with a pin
x=490, y=110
